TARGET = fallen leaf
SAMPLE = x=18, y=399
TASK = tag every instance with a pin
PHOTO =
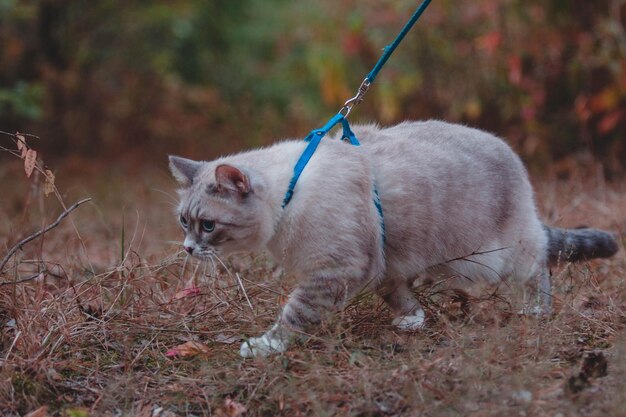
x=77, y=412
x=188, y=349
x=230, y=408
x=40, y=412
x=187, y=292
x=29, y=161
x=48, y=186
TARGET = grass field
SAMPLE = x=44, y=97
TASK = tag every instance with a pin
x=108, y=296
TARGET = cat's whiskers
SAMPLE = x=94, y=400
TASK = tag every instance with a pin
x=205, y=253
x=184, y=267
x=206, y=265
x=174, y=200
x=214, y=265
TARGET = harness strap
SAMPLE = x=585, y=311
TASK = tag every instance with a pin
x=314, y=138
x=379, y=207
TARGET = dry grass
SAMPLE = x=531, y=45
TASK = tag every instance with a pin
x=89, y=335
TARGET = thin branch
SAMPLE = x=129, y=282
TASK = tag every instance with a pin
x=475, y=253
x=14, y=135
x=244, y=292
x=30, y=278
x=41, y=232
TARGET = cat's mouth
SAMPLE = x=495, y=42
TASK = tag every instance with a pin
x=204, y=253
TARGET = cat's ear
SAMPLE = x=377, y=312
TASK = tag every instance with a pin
x=184, y=170
x=232, y=179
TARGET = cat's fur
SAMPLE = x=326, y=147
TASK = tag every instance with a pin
x=456, y=201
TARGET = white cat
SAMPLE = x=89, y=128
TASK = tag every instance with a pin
x=456, y=201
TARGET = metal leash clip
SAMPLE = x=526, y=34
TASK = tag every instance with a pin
x=350, y=103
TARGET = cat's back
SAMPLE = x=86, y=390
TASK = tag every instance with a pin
x=433, y=136
x=439, y=150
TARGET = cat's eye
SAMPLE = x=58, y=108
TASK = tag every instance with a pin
x=183, y=221
x=208, y=225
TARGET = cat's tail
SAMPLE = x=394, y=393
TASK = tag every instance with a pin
x=571, y=245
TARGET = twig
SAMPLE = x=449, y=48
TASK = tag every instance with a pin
x=244, y=291
x=41, y=232
x=17, y=336
x=475, y=253
x=14, y=135
x=30, y=278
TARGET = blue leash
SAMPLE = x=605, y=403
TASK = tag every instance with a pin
x=392, y=47
x=315, y=136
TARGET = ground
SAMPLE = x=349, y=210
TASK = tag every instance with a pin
x=101, y=324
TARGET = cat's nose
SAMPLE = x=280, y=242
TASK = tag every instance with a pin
x=189, y=249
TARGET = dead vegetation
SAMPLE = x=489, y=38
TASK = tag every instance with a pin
x=116, y=321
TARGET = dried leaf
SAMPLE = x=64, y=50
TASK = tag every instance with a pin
x=21, y=145
x=29, y=161
x=40, y=412
x=48, y=186
x=77, y=412
x=230, y=408
x=187, y=292
x=188, y=349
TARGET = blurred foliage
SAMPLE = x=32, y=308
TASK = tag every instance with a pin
x=206, y=77
x=23, y=100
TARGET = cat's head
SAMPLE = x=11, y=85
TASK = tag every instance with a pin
x=221, y=208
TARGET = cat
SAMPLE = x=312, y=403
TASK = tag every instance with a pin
x=455, y=201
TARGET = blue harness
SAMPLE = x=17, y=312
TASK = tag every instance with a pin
x=315, y=136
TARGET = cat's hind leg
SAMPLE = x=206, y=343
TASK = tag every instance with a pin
x=544, y=287
x=538, y=294
x=409, y=315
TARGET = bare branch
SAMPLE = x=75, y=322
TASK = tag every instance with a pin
x=41, y=232
x=14, y=135
x=30, y=278
x=475, y=253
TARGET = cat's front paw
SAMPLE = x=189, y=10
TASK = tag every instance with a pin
x=410, y=323
x=262, y=346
